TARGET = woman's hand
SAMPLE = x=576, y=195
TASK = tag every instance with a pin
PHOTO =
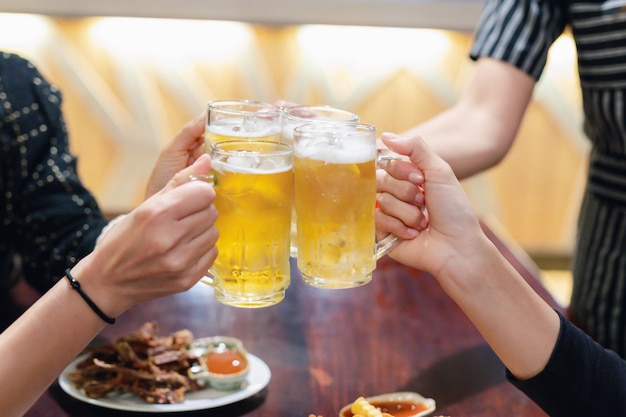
x=423, y=203
x=179, y=153
x=162, y=247
x=400, y=199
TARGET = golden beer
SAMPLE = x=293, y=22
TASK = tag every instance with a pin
x=254, y=186
x=335, y=195
x=310, y=113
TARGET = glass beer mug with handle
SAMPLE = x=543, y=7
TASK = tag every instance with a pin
x=335, y=198
x=313, y=113
x=241, y=119
x=310, y=113
x=253, y=186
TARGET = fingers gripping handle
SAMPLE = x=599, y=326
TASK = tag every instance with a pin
x=386, y=245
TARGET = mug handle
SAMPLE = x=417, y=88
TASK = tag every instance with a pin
x=210, y=178
x=208, y=279
x=386, y=245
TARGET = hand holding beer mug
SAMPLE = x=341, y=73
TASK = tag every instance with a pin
x=335, y=197
x=310, y=113
x=254, y=187
x=242, y=119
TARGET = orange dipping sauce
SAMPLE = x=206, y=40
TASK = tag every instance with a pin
x=228, y=361
x=395, y=408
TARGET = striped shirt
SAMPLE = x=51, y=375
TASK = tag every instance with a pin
x=521, y=33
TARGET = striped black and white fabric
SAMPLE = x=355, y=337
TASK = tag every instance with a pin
x=520, y=33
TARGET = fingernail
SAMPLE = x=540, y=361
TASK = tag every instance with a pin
x=390, y=136
x=416, y=178
x=412, y=232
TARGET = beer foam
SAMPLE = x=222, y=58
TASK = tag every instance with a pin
x=346, y=151
x=250, y=163
x=249, y=127
x=287, y=132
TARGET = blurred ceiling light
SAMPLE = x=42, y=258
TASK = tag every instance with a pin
x=372, y=47
x=24, y=33
x=171, y=40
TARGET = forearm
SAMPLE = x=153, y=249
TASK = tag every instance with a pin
x=161, y=248
x=478, y=131
x=520, y=327
x=42, y=342
x=464, y=140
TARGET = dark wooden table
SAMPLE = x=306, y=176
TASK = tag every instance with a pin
x=325, y=348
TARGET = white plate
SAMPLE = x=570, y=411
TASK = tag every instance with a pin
x=258, y=378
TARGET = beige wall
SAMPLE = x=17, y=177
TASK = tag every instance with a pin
x=122, y=106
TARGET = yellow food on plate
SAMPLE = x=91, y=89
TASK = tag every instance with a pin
x=362, y=408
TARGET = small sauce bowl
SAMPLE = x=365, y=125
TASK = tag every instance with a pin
x=223, y=362
x=398, y=404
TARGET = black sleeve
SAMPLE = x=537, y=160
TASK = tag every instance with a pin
x=581, y=379
x=519, y=32
x=51, y=220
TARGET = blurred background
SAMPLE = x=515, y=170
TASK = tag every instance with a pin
x=133, y=74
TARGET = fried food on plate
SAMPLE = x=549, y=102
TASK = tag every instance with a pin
x=150, y=366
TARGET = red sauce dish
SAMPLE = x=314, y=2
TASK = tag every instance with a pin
x=226, y=361
x=398, y=404
x=223, y=362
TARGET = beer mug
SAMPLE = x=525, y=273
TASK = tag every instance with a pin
x=254, y=186
x=241, y=119
x=313, y=113
x=310, y=113
x=335, y=198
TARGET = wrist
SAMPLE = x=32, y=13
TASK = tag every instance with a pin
x=469, y=269
x=94, y=281
x=108, y=228
x=77, y=287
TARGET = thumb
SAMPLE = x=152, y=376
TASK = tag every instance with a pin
x=199, y=170
x=189, y=133
x=416, y=148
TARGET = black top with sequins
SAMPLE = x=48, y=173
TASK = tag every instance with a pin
x=48, y=219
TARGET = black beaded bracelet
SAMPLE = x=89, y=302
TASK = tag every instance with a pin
x=76, y=285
